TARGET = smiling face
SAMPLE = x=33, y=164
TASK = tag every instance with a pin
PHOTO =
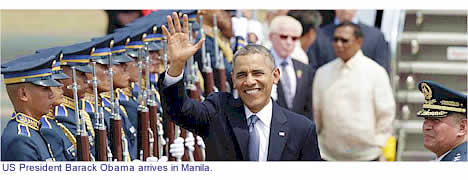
x=253, y=77
x=441, y=134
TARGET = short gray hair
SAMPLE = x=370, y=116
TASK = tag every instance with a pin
x=254, y=49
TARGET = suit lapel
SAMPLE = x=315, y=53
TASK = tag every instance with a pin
x=278, y=134
x=238, y=122
x=280, y=93
x=299, y=83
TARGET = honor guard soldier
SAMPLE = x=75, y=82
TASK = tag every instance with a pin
x=28, y=87
x=75, y=62
x=217, y=27
x=445, y=124
x=107, y=63
x=61, y=145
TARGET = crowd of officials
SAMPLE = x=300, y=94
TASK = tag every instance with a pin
x=194, y=85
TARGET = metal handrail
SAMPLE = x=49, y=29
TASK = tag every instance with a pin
x=441, y=38
x=439, y=12
x=446, y=68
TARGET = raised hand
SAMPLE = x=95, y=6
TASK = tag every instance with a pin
x=179, y=47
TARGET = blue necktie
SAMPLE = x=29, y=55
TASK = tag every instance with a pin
x=254, y=140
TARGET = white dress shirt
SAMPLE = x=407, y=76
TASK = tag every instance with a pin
x=262, y=126
x=353, y=108
x=291, y=74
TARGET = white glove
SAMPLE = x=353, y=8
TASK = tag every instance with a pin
x=240, y=26
x=200, y=142
x=162, y=141
x=163, y=159
x=190, y=142
x=177, y=148
x=152, y=159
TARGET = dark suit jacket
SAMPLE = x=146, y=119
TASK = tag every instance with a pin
x=302, y=102
x=220, y=120
x=374, y=46
x=321, y=51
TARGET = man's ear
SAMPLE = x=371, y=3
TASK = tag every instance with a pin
x=462, y=128
x=23, y=93
x=276, y=75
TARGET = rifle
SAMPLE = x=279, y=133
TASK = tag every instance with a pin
x=115, y=119
x=101, y=135
x=153, y=111
x=206, y=62
x=193, y=85
x=220, y=69
x=143, y=115
x=82, y=143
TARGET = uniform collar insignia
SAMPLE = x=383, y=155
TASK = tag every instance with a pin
x=27, y=120
x=68, y=102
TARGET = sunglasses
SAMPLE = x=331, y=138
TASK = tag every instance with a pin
x=343, y=40
x=284, y=37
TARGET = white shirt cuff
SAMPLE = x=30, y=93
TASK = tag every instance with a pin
x=169, y=80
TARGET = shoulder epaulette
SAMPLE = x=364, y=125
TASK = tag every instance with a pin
x=87, y=106
x=154, y=78
x=135, y=89
x=45, y=123
x=121, y=95
x=105, y=103
x=61, y=111
x=23, y=130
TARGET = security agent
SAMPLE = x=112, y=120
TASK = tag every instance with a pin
x=445, y=123
x=28, y=87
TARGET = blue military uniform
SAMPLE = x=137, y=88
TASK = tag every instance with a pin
x=441, y=102
x=78, y=56
x=22, y=139
x=113, y=45
x=55, y=133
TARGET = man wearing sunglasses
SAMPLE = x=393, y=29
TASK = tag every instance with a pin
x=353, y=102
x=294, y=91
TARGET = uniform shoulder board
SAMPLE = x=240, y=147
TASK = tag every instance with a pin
x=61, y=110
x=87, y=106
x=23, y=130
x=45, y=123
x=122, y=96
x=135, y=89
x=154, y=78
